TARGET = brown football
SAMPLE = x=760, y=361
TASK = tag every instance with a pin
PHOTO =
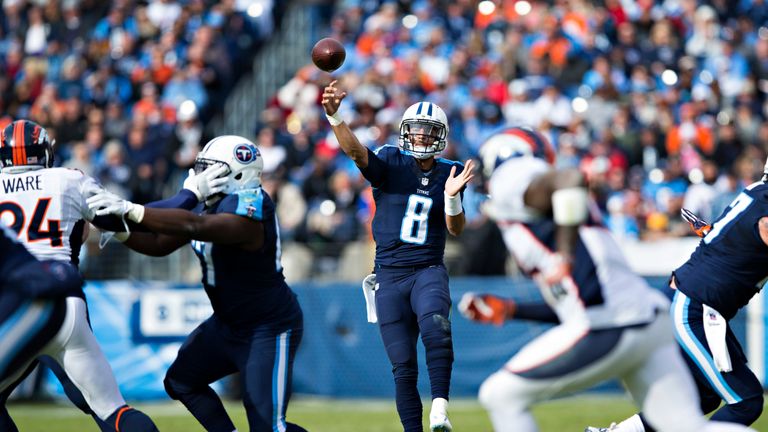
x=328, y=54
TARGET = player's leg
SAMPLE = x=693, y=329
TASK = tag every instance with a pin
x=431, y=301
x=399, y=332
x=73, y=394
x=266, y=369
x=77, y=351
x=739, y=388
x=204, y=357
x=562, y=359
x=26, y=327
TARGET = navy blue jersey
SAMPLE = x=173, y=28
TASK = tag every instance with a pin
x=729, y=265
x=409, y=224
x=247, y=288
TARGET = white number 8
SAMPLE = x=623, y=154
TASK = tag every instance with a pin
x=414, y=227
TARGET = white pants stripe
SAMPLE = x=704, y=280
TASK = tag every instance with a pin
x=280, y=381
x=696, y=351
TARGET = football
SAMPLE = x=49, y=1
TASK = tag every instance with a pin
x=328, y=54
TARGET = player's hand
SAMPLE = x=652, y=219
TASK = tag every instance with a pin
x=486, y=308
x=106, y=203
x=456, y=183
x=697, y=224
x=332, y=98
x=209, y=182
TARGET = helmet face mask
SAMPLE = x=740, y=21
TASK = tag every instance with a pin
x=423, y=130
x=25, y=145
x=241, y=157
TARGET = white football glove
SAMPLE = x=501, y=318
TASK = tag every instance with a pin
x=209, y=182
x=106, y=203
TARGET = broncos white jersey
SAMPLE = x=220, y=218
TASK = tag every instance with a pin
x=47, y=209
x=602, y=290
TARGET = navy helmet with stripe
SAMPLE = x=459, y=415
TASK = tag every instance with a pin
x=512, y=142
x=423, y=130
x=25, y=143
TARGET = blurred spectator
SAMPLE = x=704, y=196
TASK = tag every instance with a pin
x=690, y=139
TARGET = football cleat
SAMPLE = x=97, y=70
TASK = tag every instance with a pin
x=610, y=428
x=439, y=424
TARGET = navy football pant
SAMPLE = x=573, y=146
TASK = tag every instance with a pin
x=409, y=302
x=740, y=388
x=26, y=327
x=264, y=357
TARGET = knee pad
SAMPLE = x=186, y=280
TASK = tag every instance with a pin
x=407, y=371
x=174, y=387
x=747, y=411
x=501, y=390
x=436, y=336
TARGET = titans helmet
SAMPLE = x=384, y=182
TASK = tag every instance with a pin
x=25, y=143
x=513, y=142
x=240, y=155
x=429, y=121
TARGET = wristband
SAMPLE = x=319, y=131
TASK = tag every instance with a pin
x=453, y=204
x=569, y=206
x=334, y=119
x=136, y=213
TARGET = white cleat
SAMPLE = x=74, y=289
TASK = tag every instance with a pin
x=438, y=416
x=610, y=428
x=439, y=424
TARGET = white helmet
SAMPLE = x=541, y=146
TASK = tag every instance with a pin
x=240, y=155
x=424, y=118
x=514, y=142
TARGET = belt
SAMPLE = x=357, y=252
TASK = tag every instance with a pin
x=404, y=269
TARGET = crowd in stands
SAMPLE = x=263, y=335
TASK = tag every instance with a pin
x=662, y=103
x=125, y=87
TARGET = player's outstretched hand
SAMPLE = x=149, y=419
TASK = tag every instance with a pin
x=455, y=183
x=486, y=308
x=209, y=182
x=332, y=98
x=697, y=224
x=106, y=203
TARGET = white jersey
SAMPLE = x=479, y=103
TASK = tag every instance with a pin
x=47, y=209
x=602, y=290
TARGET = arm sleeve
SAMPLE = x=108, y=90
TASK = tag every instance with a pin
x=376, y=171
x=541, y=312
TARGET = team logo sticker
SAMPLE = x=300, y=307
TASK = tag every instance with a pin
x=246, y=153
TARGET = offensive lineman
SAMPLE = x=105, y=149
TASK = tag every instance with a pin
x=257, y=323
x=611, y=323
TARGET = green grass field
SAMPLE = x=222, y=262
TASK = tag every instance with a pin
x=320, y=415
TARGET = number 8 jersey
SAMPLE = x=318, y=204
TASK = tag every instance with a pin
x=729, y=265
x=46, y=208
x=409, y=225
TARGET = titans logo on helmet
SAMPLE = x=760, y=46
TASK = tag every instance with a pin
x=246, y=153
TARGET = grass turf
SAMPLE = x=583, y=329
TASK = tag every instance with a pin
x=328, y=415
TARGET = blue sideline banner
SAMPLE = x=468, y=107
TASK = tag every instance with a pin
x=140, y=326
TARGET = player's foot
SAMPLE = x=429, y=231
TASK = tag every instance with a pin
x=610, y=428
x=438, y=416
x=440, y=424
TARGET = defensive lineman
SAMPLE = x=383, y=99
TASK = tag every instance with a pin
x=611, y=323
